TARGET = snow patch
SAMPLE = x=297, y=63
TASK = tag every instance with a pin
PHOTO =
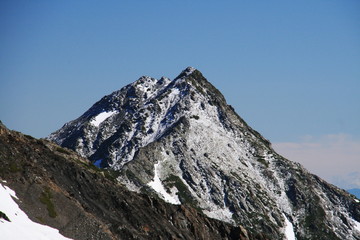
x=357, y=225
x=21, y=227
x=101, y=117
x=289, y=229
x=356, y=200
x=156, y=184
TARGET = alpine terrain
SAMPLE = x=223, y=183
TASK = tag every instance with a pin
x=178, y=140
x=43, y=184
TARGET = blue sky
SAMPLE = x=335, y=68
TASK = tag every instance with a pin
x=291, y=69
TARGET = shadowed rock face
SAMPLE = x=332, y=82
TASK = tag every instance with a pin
x=84, y=202
x=179, y=139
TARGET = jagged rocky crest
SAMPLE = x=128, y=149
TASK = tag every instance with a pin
x=179, y=139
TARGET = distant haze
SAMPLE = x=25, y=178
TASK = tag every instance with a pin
x=335, y=158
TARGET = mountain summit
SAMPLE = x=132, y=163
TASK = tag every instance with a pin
x=179, y=140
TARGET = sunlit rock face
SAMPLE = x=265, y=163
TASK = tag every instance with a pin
x=180, y=140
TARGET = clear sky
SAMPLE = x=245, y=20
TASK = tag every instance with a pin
x=291, y=69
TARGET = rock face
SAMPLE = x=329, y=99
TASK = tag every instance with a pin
x=57, y=187
x=180, y=140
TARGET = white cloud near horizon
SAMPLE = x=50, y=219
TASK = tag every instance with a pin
x=333, y=157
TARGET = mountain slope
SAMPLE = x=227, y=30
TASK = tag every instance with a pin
x=182, y=141
x=58, y=188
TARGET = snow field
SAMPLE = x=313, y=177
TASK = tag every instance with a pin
x=101, y=117
x=21, y=227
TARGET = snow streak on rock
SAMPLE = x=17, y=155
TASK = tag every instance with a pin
x=101, y=117
x=157, y=185
x=289, y=230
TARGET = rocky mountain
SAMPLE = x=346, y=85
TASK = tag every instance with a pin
x=180, y=140
x=57, y=187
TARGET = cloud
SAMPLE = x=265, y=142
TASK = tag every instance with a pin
x=333, y=157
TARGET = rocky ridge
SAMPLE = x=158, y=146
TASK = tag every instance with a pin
x=180, y=140
x=57, y=187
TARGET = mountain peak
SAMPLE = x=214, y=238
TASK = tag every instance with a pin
x=186, y=72
x=147, y=79
x=180, y=141
x=189, y=70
